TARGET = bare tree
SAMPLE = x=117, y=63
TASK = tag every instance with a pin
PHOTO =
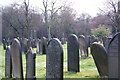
x=49, y=18
x=113, y=12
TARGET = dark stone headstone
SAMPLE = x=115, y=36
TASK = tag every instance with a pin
x=34, y=45
x=43, y=45
x=24, y=45
x=4, y=44
x=54, y=60
x=16, y=59
x=114, y=56
x=8, y=63
x=73, y=53
x=93, y=39
x=63, y=40
x=30, y=64
x=105, y=42
x=83, y=46
x=100, y=57
x=40, y=47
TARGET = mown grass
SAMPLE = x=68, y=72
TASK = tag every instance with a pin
x=87, y=67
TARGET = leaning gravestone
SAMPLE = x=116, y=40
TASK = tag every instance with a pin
x=73, y=53
x=113, y=56
x=43, y=45
x=30, y=64
x=8, y=63
x=16, y=59
x=100, y=58
x=54, y=60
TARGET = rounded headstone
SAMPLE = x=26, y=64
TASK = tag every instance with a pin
x=73, y=53
x=16, y=59
x=8, y=63
x=100, y=57
x=114, y=56
x=30, y=64
x=54, y=60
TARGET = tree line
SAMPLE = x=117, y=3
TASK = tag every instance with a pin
x=21, y=20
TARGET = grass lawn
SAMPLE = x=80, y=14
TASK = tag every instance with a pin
x=87, y=66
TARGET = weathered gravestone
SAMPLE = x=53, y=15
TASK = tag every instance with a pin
x=114, y=57
x=54, y=60
x=83, y=46
x=8, y=63
x=38, y=46
x=100, y=58
x=24, y=45
x=73, y=53
x=43, y=45
x=16, y=59
x=106, y=41
x=93, y=39
x=4, y=44
x=30, y=64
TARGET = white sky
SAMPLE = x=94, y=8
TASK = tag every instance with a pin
x=81, y=6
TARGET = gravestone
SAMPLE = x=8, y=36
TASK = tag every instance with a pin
x=100, y=57
x=73, y=53
x=63, y=40
x=88, y=40
x=16, y=59
x=30, y=64
x=54, y=60
x=1, y=26
x=105, y=42
x=43, y=45
x=4, y=44
x=93, y=39
x=113, y=56
x=8, y=63
x=38, y=46
x=83, y=46
x=24, y=45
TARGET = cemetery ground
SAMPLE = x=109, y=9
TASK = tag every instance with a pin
x=87, y=66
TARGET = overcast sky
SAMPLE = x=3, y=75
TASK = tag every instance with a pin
x=80, y=6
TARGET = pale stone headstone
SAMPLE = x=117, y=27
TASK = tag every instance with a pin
x=83, y=46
